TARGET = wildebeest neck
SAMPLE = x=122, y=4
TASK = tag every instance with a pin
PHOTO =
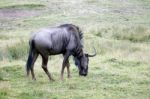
x=71, y=27
x=78, y=52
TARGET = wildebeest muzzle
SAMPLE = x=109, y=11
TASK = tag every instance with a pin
x=83, y=73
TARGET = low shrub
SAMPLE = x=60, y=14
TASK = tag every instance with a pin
x=17, y=51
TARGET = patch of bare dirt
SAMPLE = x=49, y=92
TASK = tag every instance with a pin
x=8, y=17
x=15, y=14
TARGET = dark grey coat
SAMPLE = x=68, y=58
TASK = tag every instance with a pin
x=56, y=40
x=65, y=39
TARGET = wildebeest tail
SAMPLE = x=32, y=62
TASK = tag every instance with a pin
x=30, y=57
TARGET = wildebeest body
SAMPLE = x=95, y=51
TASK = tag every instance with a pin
x=64, y=39
x=56, y=41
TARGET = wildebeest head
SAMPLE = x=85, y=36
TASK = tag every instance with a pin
x=82, y=63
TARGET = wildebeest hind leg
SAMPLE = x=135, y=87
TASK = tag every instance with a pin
x=44, y=66
x=35, y=55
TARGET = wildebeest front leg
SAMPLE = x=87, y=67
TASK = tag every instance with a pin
x=65, y=61
x=68, y=68
x=44, y=66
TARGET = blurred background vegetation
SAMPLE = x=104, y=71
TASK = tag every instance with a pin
x=119, y=30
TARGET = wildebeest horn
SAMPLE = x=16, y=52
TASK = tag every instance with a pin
x=93, y=54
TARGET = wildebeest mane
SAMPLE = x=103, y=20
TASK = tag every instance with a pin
x=74, y=29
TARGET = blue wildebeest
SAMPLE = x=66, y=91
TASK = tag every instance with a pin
x=64, y=39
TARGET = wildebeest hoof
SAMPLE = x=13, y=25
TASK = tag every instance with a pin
x=62, y=79
x=34, y=79
x=69, y=76
x=51, y=79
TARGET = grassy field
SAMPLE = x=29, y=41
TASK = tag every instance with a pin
x=119, y=30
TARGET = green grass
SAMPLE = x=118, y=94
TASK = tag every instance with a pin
x=15, y=51
x=118, y=29
x=100, y=83
x=24, y=6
